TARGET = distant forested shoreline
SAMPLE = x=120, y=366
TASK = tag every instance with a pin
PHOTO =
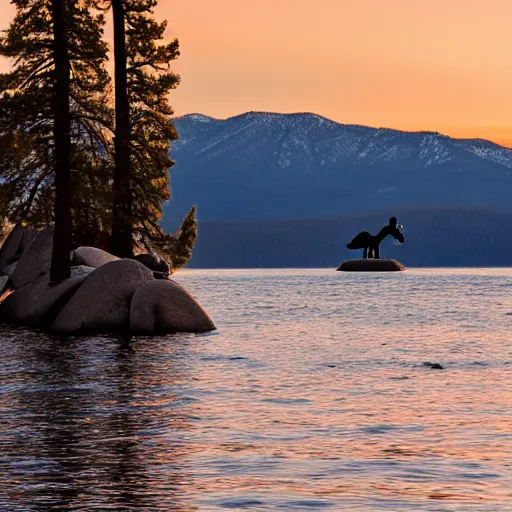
x=444, y=237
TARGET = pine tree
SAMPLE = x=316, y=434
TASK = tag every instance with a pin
x=121, y=238
x=27, y=150
x=149, y=82
x=27, y=99
x=61, y=264
x=184, y=241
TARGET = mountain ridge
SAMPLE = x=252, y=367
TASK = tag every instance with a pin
x=208, y=118
x=259, y=165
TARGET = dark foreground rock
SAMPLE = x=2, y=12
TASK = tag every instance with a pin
x=104, y=294
x=153, y=263
x=9, y=270
x=10, y=247
x=35, y=260
x=91, y=257
x=102, y=303
x=3, y=283
x=37, y=303
x=27, y=238
x=166, y=307
x=371, y=265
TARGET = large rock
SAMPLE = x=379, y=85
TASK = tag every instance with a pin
x=27, y=238
x=10, y=248
x=91, y=256
x=38, y=303
x=371, y=265
x=9, y=270
x=153, y=263
x=35, y=260
x=102, y=303
x=3, y=283
x=166, y=307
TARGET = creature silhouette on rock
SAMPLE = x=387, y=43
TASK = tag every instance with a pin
x=371, y=243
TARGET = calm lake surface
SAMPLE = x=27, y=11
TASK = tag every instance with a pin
x=312, y=395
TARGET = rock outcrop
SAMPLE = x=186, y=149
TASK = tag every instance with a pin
x=102, y=303
x=37, y=303
x=27, y=238
x=104, y=294
x=164, y=306
x=371, y=265
x=10, y=247
x=9, y=271
x=35, y=260
x=3, y=283
x=153, y=263
x=91, y=257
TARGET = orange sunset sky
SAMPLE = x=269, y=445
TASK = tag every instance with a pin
x=443, y=65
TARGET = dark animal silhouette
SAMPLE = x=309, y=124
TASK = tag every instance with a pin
x=370, y=243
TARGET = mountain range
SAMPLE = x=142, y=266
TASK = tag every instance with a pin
x=277, y=190
x=261, y=165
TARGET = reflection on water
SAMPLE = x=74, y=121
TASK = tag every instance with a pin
x=92, y=423
x=313, y=394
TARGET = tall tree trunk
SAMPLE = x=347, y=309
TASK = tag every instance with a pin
x=121, y=240
x=61, y=264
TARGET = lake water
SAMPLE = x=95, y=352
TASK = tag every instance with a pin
x=312, y=395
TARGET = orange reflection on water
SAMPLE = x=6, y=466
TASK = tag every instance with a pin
x=313, y=393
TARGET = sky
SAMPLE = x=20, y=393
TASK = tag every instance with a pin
x=441, y=65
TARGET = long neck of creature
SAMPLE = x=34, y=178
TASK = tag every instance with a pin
x=383, y=233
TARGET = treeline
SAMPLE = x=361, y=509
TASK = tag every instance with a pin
x=433, y=238
x=78, y=149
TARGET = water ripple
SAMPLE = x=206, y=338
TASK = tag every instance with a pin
x=312, y=395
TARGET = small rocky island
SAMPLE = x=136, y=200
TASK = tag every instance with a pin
x=105, y=294
x=371, y=261
x=370, y=265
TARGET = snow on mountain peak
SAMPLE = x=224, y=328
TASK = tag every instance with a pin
x=200, y=118
x=316, y=142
